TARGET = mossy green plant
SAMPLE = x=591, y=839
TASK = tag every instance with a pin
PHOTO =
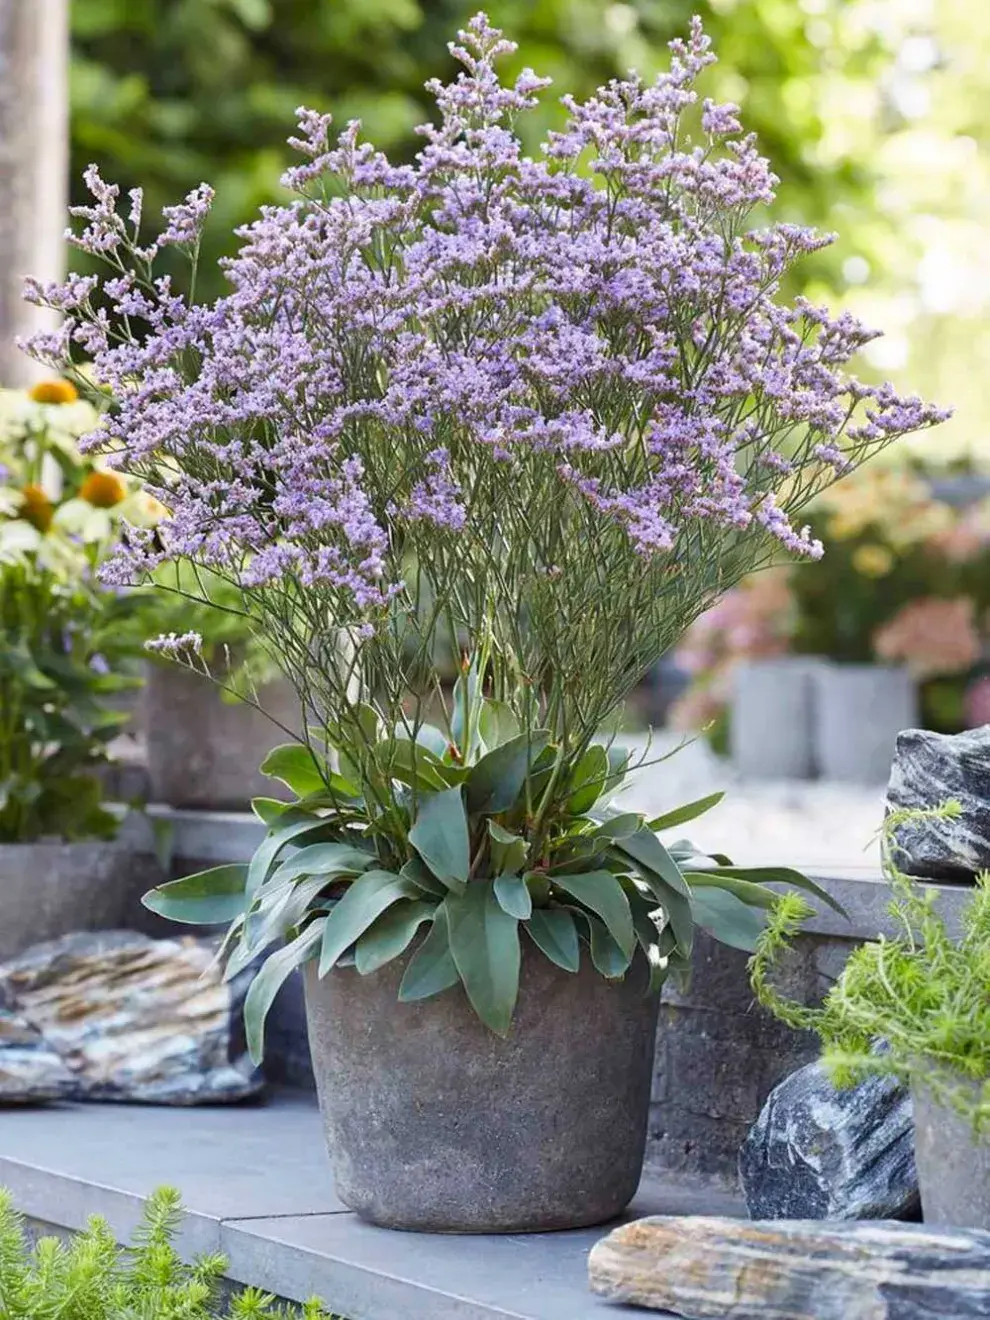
x=915, y=1006
x=91, y=1277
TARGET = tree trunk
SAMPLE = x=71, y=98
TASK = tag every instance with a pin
x=34, y=149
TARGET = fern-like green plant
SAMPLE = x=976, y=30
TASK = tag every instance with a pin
x=916, y=1006
x=90, y=1277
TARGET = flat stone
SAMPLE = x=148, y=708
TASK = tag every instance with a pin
x=258, y=1186
x=928, y=769
x=712, y=1268
x=30, y=1070
x=134, y=1018
x=816, y=1152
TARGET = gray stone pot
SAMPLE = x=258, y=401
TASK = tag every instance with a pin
x=953, y=1163
x=48, y=890
x=434, y=1123
x=857, y=713
x=204, y=752
x=770, y=718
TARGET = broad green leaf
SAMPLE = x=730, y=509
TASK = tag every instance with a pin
x=554, y=933
x=426, y=736
x=690, y=811
x=611, y=960
x=676, y=910
x=497, y=723
x=440, y=836
x=270, y=979
x=273, y=920
x=19, y=661
x=326, y=859
x=780, y=875
x=538, y=884
x=580, y=853
x=508, y=850
x=497, y=779
x=540, y=773
x=587, y=781
x=362, y=903
x=618, y=766
x=369, y=722
x=292, y=826
x=431, y=969
x=622, y=826
x=683, y=850
x=650, y=938
x=727, y=918
x=601, y=893
x=664, y=877
x=208, y=898
x=753, y=894
x=269, y=809
x=484, y=943
x=413, y=765
x=391, y=934
x=297, y=768
x=513, y=896
x=646, y=849
x=423, y=878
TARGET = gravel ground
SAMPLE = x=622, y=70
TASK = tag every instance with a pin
x=812, y=825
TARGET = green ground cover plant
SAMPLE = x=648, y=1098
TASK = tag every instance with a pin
x=924, y=994
x=90, y=1277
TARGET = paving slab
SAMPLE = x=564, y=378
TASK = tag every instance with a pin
x=257, y=1185
x=369, y=1273
x=64, y=1163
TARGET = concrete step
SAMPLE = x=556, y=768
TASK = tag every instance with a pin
x=257, y=1185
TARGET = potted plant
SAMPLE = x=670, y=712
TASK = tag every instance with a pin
x=62, y=650
x=926, y=996
x=548, y=414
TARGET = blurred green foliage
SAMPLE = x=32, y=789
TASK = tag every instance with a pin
x=166, y=93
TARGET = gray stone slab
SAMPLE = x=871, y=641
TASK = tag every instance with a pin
x=67, y=1162
x=866, y=895
x=210, y=836
x=368, y=1273
x=257, y=1185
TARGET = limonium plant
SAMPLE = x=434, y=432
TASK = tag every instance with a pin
x=526, y=416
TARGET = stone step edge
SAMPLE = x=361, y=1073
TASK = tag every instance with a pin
x=345, y=1274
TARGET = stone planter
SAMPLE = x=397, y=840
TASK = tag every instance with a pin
x=51, y=889
x=434, y=1123
x=953, y=1163
x=204, y=752
x=770, y=726
x=857, y=713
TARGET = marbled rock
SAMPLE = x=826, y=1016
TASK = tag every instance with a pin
x=929, y=768
x=819, y=1153
x=134, y=1018
x=30, y=1070
x=794, y=1270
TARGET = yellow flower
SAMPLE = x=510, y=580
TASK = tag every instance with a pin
x=874, y=561
x=103, y=490
x=54, y=391
x=36, y=508
x=142, y=509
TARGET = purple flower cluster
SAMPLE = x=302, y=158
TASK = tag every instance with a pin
x=408, y=353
